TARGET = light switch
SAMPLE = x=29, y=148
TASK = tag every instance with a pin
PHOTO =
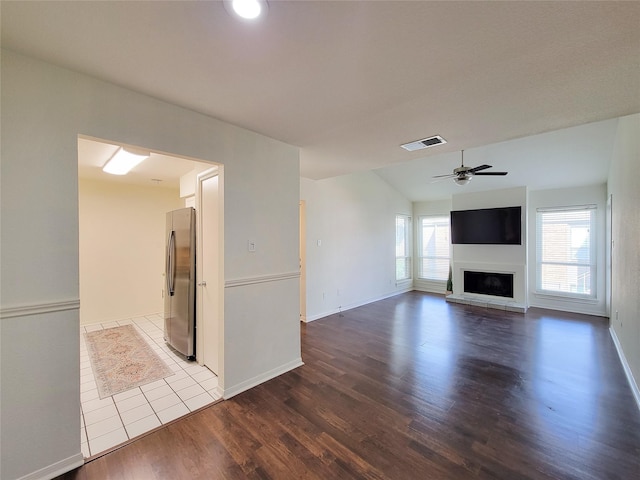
x=251, y=245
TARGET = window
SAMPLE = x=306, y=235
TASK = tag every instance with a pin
x=565, y=251
x=434, y=243
x=403, y=247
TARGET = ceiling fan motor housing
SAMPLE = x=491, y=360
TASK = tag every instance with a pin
x=461, y=170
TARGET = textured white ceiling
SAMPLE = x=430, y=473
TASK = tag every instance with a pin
x=570, y=157
x=349, y=81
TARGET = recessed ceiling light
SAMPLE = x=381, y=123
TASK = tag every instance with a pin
x=122, y=162
x=248, y=9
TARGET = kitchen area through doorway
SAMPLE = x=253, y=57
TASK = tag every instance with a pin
x=123, y=287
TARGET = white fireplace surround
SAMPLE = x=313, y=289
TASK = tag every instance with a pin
x=516, y=304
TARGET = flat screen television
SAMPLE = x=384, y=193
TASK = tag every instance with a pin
x=487, y=226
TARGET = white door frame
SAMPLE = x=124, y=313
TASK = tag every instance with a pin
x=303, y=261
x=609, y=254
x=214, y=282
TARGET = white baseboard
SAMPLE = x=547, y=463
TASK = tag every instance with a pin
x=56, y=469
x=627, y=369
x=568, y=307
x=257, y=380
x=219, y=392
x=356, y=305
x=426, y=289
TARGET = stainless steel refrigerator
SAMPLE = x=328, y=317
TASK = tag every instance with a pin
x=180, y=275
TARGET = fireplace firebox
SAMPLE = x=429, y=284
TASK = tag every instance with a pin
x=489, y=283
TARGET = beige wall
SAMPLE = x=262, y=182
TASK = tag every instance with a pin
x=625, y=288
x=121, y=243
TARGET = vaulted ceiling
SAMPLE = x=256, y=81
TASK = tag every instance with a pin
x=349, y=81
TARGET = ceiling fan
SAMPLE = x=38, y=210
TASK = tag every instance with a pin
x=463, y=175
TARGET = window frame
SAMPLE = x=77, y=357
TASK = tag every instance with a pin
x=408, y=257
x=420, y=257
x=591, y=265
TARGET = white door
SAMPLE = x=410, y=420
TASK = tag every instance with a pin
x=208, y=348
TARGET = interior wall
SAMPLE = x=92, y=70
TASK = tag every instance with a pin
x=594, y=194
x=121, y=244
x=44, y=108
x=261, y=184
x=420, y=209
x=350, y=241
x=625, y=301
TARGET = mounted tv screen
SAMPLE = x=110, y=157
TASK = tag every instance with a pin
x=487, y=226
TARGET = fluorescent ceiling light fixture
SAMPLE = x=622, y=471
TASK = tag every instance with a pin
x=248, y=9
x=122, y=162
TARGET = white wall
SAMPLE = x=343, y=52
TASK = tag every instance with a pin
x=261, y=184
x=121, y=244
x=44, y=108
x=625, y=301
x=493, y=258
x=595, y=194
x=353, y=218
x=434, y=208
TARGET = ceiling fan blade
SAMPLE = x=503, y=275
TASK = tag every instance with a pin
x=491, y=173
x=440, y=178
x=451, y=175
x=479, y=167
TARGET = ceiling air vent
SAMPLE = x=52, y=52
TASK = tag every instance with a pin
x=424, y=143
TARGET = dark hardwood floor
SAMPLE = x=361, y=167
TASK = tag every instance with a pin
x=414, y=388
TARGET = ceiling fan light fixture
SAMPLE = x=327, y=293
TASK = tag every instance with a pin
x=462, y=180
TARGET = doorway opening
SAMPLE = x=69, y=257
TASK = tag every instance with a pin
x=122, y=282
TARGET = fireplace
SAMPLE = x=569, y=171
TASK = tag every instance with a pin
x=488, y=283
x=501, y=286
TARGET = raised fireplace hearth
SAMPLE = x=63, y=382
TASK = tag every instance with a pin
x=498, y=286
x=488, y=283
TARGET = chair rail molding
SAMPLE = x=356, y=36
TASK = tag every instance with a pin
x=39, y=308
x=239, y=282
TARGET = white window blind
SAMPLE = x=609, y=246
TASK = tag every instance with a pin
x=403, y=247
x=434, y=240
x=565, y=251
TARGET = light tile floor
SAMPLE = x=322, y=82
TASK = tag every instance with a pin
x=110, y=421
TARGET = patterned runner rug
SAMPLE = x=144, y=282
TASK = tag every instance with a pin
x=122, y=360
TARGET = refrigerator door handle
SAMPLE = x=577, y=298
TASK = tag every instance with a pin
x=171, y=264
